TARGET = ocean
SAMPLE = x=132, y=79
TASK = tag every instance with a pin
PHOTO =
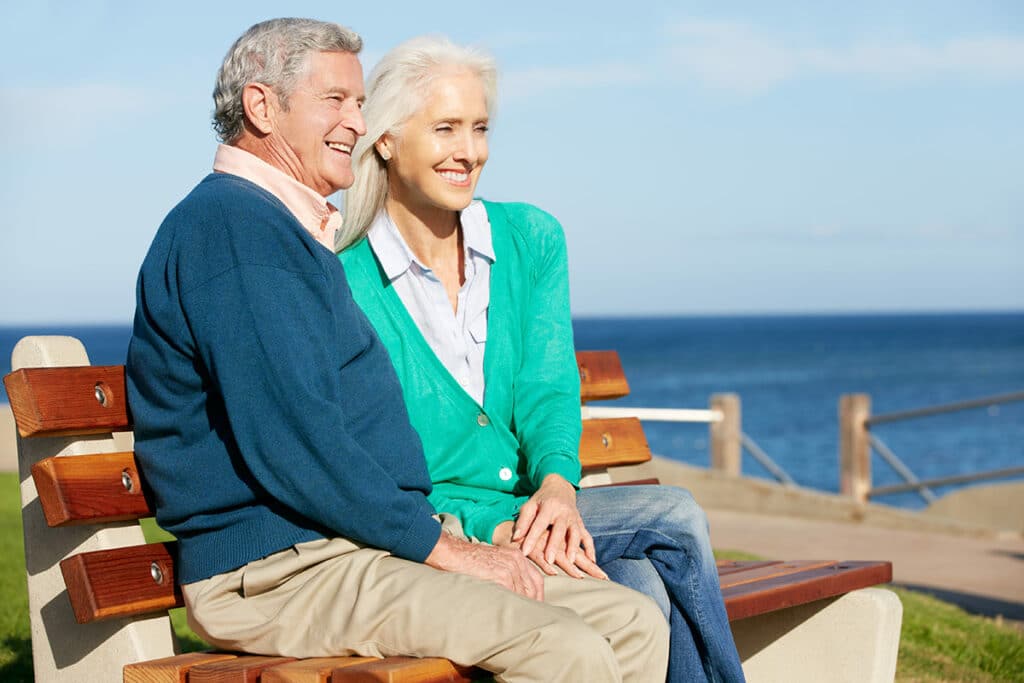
x=789, y=372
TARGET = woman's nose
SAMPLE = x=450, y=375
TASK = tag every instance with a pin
x=468, y=150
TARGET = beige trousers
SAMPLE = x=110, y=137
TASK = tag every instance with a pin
x=334, y=597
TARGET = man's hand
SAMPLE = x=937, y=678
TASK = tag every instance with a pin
x=504, y=565
x=550, y=520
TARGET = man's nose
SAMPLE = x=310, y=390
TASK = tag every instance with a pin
x=354, y=120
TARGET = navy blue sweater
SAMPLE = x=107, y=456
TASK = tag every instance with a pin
x=266, y=410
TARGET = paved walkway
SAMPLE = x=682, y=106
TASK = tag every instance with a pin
x=982, y=575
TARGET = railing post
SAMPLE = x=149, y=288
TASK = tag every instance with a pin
x=726, y=435
x=854, y=447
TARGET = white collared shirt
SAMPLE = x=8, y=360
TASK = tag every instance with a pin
x=458, y=337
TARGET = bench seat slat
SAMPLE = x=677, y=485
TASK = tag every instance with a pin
x=613, y=441
x=771, y=594
x=240, y=669
x=726, y=567
x=762, y=574
x=90, y=489
x=601, y=376
x=312, y=670
x=64, y=401
x=408, y=670
x=113, y=583
x=170, y=669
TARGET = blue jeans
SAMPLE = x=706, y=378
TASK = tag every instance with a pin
x=654, y=539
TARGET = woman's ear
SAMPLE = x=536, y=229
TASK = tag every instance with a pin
x=384, y=147
x=260, y=103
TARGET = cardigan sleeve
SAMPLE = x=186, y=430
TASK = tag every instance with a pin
x=546, y=396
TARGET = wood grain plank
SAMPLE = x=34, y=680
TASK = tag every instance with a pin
x=90, y=489
x=761, y=574
x=313, y=670
x=408, y=670
x=241, y=669
x=82, y=400
x=613, y=441
x=170, y=669
x=780, y=592
x=121, y=582
x=726, y=567
x=601, y=376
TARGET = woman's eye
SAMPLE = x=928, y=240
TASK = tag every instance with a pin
x=482, y=128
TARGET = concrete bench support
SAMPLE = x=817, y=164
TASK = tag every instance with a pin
x=853, y=638
x=62, y=649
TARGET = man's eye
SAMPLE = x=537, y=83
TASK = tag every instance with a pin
x=444, y=128
x=482, y=128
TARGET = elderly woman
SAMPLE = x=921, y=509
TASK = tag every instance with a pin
x=471, y=298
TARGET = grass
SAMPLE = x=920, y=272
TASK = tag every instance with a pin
x=940, y=642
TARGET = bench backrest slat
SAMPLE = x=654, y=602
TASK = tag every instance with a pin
x=121, y=582
x=92, y=399
x=601, y=376
x=607, y=442
x=90, y=489
x=68, y=401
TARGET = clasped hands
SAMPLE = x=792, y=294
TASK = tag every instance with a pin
x=550, y=531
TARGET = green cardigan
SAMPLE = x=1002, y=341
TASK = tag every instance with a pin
x=486, y=461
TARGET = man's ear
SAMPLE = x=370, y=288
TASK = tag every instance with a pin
x=260, y=104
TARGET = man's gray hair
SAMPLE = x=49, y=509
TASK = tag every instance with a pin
x=274, y=53
x=397, y=88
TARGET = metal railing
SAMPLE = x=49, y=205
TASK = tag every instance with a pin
x=857, y=442
x=727, y=441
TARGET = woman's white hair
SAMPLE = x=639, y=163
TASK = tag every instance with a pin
x=396, y=89
x=274, y=53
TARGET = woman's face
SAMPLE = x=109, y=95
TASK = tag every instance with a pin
x=436, y=160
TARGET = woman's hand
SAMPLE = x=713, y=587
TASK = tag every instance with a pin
x=549, y=527
x=578, y=568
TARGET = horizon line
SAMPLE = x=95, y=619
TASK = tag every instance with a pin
x=648, y=315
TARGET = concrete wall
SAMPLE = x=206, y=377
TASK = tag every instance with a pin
x=716, y=490
x=997, y=506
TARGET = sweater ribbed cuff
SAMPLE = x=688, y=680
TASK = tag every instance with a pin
x=421, y=536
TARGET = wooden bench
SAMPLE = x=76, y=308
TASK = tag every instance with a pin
x=99, y=594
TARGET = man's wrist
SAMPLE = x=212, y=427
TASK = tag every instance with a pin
x=444, y=553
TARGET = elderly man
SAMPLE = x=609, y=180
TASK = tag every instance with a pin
x=271, y=429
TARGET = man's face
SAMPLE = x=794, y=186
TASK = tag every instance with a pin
x=313, y=140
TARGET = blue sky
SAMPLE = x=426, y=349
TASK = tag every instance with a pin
x=702, y=157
